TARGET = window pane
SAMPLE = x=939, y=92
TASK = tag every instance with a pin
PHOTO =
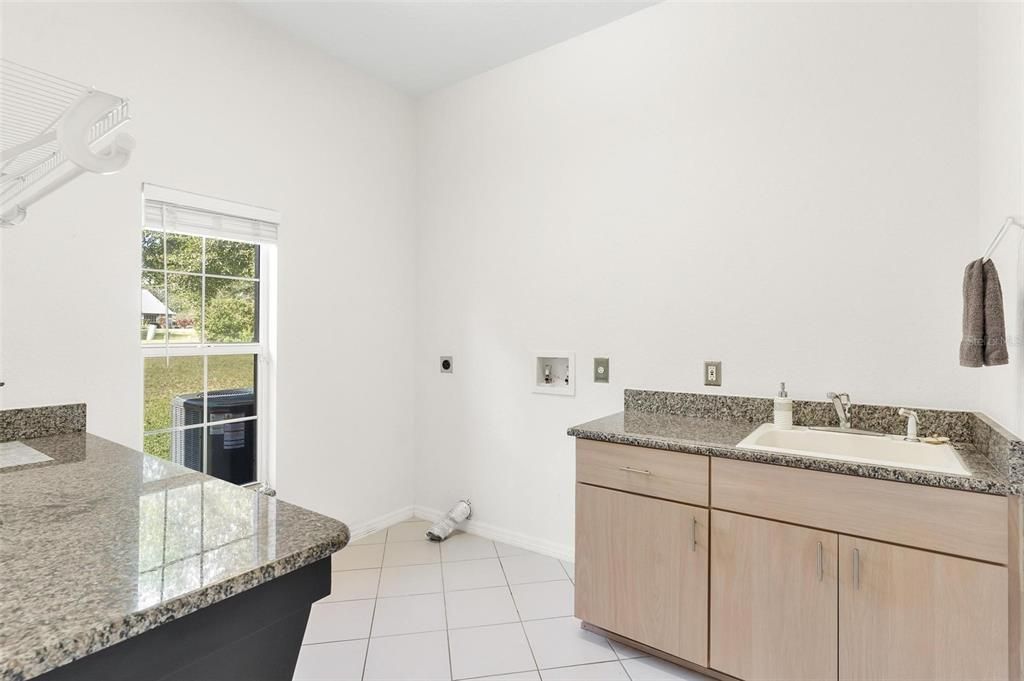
x=153, y=250
x=185, y=295
x=158, y=444
x=171, y=386
x=230, y=311
x=187, y=444
x=154, y=312
x=232, y=386
x=231, y=258
x=184, y=253
x=232, y=451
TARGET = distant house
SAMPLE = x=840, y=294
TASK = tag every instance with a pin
x=154, y=311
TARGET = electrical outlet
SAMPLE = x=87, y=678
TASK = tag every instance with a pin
x=712, y=373
x=600, y=370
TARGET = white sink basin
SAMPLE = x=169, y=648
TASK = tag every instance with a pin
x=884, y=450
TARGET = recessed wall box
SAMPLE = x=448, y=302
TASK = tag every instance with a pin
x=554, y=373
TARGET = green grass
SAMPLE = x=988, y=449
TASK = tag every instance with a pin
x=177, y=336
x=168, y=377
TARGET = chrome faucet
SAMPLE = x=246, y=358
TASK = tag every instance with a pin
x=841, y=402
x=911, y=424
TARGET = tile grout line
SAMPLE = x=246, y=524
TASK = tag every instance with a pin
x=546, y=669
x=623, y=665
x=444, y=601
x=429, y=631
x=460, y=560
x=428, y=593
x=522, y=626
x=607, y=642
x=369, y=634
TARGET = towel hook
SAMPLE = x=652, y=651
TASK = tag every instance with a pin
x=1010, y=221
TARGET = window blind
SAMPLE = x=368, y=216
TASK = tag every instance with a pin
x=177, y=211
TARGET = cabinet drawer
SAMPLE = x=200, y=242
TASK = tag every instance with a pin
x=653, y=472
x=948, y=521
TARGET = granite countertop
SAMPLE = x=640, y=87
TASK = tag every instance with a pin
x=719, y=437
x=102, y=543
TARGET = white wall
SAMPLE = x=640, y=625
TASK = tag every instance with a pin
x=791, y=189
x=226, y=107
x=1001, y=190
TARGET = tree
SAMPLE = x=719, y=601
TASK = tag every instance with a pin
x=229, y=320
x=230, y=304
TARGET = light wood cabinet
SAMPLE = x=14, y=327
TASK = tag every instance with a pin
x=764, y=572
x=642, y=569
x=943, y=520
x=774, y=613
x=909, y=614
x=654, y=473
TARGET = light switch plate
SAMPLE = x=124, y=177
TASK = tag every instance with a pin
x=712, y=373
x=447, y=365
x=600, y=370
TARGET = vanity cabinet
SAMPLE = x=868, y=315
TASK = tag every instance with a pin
x=774, y=612
x=642, y=569
x=912, y=614
x=766, y=572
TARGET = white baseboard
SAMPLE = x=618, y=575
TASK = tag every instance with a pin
x=503, y=535
x=379, y=523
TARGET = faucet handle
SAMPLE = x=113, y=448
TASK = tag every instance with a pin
x=843, y=397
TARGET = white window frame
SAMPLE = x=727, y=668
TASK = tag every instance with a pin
x=265, y=349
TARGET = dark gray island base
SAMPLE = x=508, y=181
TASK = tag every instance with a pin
x=115, y=565
x=254, y=636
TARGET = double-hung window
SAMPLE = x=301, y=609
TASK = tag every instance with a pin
x=206, y=330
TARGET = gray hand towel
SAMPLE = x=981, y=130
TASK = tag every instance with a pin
x=995, y=326
x=984, y=331
x=972, y=346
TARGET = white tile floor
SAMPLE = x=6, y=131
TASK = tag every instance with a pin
x=405, y=609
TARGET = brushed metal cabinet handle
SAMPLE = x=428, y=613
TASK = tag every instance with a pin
x=856, y=569
x=821, y=562
x=630, y=469
x=693, y=534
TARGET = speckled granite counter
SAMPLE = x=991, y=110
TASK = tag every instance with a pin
x=19, y=424
x=103, y=543
x=658, y=428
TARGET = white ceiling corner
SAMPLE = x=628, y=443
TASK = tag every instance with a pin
x=423, y=45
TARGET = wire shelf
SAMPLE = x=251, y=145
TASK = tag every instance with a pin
x=34, y=157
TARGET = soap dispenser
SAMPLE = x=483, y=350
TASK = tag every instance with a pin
x=783, y=409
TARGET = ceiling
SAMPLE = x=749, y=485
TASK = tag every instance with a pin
x=422, y=45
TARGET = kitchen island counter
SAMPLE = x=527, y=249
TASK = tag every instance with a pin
x=102, y=545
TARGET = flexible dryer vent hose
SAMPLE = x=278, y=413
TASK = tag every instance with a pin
x=446, y=525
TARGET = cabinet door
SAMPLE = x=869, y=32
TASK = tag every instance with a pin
x=642, y=569
x=774, y=613
x=911, y=614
